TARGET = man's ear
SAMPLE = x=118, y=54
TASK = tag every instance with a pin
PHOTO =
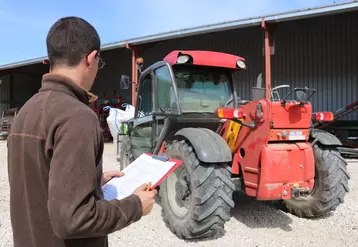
x=91, y=58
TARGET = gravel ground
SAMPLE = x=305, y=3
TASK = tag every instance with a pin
x=253, y=223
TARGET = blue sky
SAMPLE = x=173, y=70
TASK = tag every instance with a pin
x=25, y=23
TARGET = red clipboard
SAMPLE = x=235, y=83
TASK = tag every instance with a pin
x=165, y=159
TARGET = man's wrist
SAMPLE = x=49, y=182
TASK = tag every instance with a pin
x=139, y=207
x=133, y=204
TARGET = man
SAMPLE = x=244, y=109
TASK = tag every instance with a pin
x=55, y=149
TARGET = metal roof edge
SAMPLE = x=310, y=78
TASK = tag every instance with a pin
x=109, y=46
x=22, y=63
x=314, y=11
x=198, y=30
x=222, y=26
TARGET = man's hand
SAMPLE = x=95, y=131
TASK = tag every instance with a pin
x=147, y=198
x=109, y=175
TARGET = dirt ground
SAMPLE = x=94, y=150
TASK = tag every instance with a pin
x=253, y=223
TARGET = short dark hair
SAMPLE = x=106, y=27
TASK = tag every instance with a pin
x=69, y=40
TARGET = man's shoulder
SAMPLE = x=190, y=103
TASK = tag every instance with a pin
x=65, y=108
x=69, y=103
x=82, y=113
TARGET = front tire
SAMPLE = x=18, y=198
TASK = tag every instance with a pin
x=125, y=156
x=330, y=188
x=197, y=197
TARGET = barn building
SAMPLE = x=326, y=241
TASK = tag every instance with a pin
x=314, y=47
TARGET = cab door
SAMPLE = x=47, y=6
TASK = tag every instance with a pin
x=157, y=99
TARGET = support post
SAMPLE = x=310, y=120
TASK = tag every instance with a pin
x=11, y=89
x=134, y=73
x=134, y=77
x=267, y=59
x=136, y=50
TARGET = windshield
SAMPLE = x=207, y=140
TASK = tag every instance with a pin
x=202, y=89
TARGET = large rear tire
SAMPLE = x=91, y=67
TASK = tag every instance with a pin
x=330, y=188
x=197, y=197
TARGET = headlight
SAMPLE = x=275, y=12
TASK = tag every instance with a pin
x=241, y=64
x=183, y=59
x=237, y=113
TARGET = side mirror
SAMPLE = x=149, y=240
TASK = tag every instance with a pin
x=259, y=81
x=139, y=101
x=124, y=83
x=258, y=92
x=302, y=96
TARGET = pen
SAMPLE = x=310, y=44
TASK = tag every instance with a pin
x=148, y=186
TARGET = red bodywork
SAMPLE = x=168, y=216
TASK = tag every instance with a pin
x=272, y=157
x=206, y=58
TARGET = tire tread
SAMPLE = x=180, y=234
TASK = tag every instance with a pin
x=211, y=197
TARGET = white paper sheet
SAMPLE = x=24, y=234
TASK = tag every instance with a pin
x=144, y=169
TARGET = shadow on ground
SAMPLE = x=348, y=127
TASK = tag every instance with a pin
x=253, y=214
x=260, y=214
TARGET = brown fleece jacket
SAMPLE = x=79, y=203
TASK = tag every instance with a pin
x=55, y=149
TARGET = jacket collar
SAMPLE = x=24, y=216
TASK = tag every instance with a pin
x=59, y=82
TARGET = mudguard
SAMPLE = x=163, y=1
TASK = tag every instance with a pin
x=209, y=146
x=324, y=138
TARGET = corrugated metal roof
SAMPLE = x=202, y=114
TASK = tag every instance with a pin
x=253, y=21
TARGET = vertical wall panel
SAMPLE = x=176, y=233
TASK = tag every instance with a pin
x=25, y=82
x=24, y=86
x=118, y=62
x=5, y=93
x=320, y=53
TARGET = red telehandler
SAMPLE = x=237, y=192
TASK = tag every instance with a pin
x=187, y=107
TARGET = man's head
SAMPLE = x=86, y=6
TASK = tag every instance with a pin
x=73, y=47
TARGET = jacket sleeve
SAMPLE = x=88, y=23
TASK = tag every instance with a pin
x=74, y=211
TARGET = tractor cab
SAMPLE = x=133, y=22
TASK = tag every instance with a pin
x=184, y=90
x=187, y=82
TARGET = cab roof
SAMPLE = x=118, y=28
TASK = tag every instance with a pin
x=206, y=58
